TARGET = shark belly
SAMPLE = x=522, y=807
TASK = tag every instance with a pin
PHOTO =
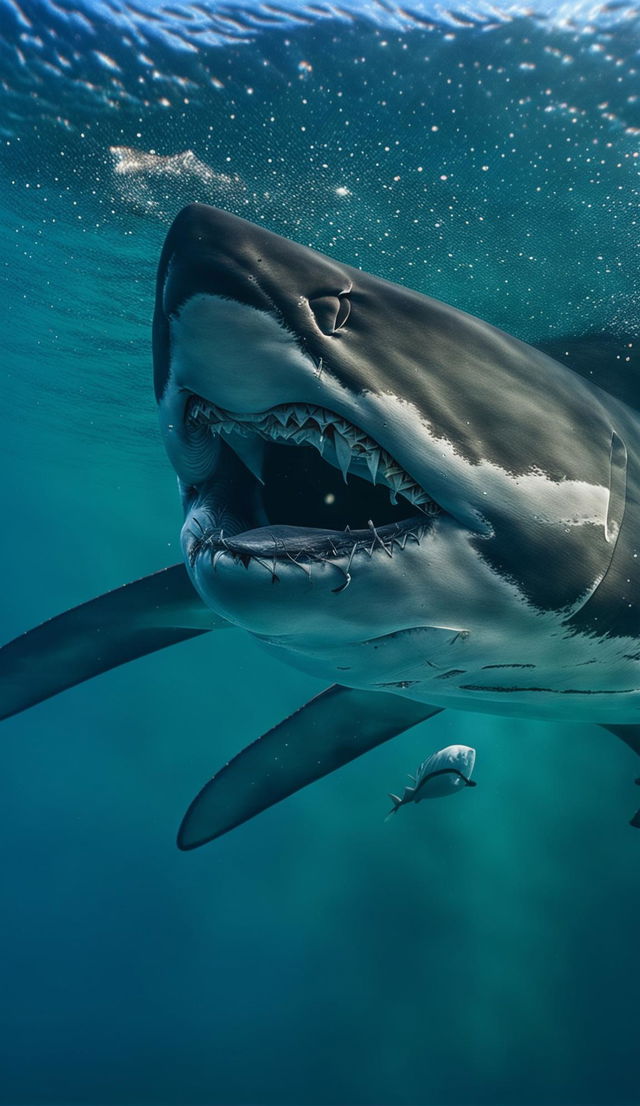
x=445, y=667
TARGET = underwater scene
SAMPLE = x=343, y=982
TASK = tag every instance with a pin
x=481, y=950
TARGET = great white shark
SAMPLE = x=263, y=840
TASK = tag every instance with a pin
x=387, y=493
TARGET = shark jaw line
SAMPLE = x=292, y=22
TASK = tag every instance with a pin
x=280, y=549
x=349, y=449
x=242, y=511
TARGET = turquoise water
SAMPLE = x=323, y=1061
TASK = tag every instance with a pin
x=479, y=951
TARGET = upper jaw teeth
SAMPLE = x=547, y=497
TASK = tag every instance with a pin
x=349, y=449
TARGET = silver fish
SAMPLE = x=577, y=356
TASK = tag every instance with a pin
x=443, y=773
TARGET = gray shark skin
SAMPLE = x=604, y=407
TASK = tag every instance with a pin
x=386, y=492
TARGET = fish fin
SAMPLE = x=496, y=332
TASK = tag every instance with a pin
x=424, y=768
x=631, y=737
x=329, y=731
x=129, y=622
x=629, y=734
x=397, y=802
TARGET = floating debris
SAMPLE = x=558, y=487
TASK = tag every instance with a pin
x=147, y=182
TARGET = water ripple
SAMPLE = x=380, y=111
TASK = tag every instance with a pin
x=114, y=50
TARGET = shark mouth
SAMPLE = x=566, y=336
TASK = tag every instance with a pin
x=295, y=484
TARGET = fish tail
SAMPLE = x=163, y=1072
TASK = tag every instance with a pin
x=397, y=802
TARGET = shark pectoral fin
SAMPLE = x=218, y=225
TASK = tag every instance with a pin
x=130, y=622
x=631, y=737
x=629, y=734
x=332, y=729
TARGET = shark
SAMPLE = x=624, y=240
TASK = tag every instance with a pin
x=387, y=493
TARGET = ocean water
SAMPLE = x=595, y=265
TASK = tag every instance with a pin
x=477, y=951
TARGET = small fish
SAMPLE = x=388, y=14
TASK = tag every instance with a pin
x=443, y=773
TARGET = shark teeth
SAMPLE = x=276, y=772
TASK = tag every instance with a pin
x=346, y=447
x=343, y=453
x=373, y=460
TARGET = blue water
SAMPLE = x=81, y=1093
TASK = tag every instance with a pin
x=478, y=951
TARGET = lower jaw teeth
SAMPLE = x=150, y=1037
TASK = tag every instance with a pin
x=327, y=551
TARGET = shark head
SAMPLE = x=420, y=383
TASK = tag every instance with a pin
x=393, y=492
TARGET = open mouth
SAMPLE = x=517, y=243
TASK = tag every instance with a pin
x=297, y=484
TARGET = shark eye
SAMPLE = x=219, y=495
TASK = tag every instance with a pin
x=331, y=312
